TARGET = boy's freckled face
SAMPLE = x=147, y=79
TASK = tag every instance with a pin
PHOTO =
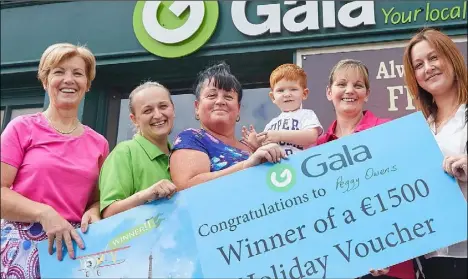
x=288, y=95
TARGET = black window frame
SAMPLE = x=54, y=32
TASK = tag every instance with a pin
x=20, y=99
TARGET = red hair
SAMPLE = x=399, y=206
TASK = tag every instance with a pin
x=288, y=72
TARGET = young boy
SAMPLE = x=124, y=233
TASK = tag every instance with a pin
x=295, y=128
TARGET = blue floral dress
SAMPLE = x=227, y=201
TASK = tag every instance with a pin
x=221, y=155
x=19, y=255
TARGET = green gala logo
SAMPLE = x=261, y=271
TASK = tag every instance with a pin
x=281, y=177
x=174, y=28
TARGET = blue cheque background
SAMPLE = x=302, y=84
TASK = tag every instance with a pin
x=179, y=252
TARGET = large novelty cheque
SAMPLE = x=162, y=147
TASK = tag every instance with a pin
x=369, y=200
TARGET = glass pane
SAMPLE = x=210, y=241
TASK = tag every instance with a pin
x=256, y=109
x=185, y=114
x=21, y=111
x=125, y=130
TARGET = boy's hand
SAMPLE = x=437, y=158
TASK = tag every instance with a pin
x=250, y=136
x=269, y=137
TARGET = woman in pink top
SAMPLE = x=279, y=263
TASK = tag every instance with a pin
x=49, y=167
x=348, y=89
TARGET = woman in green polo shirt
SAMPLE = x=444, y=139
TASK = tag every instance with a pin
x=136, y=171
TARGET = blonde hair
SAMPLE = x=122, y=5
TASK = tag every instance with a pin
x=288, y=72
x=139, y=88
x=353, y=64
x=447, y=49
x=147, y=84
x=57, y=53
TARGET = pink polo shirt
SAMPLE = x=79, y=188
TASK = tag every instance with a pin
x=404, y=270
x=57, y=170
x=368, y=120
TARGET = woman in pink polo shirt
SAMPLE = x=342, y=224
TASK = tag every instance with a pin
x=348, y=89
x=50, y=164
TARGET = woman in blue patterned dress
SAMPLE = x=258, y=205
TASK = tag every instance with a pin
x=200, y=155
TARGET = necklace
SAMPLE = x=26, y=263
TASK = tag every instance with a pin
x=352, y=130
x=58, y=130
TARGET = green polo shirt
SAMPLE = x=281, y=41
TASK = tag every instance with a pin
x=132, y=166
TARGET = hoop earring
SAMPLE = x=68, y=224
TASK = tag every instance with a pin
x=197, y=117
x=238, y=118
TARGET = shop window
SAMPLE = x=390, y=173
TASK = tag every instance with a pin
x=22, y=111
x=2, y=112
x=20, y=101
x=126, y=129
x=256, y=109
x=11, y=112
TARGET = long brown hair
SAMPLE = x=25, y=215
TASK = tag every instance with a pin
x=446, y=48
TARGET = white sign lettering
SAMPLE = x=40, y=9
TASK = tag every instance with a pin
x=274, y=23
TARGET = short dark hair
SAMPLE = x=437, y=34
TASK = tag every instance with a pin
x=220, y=77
